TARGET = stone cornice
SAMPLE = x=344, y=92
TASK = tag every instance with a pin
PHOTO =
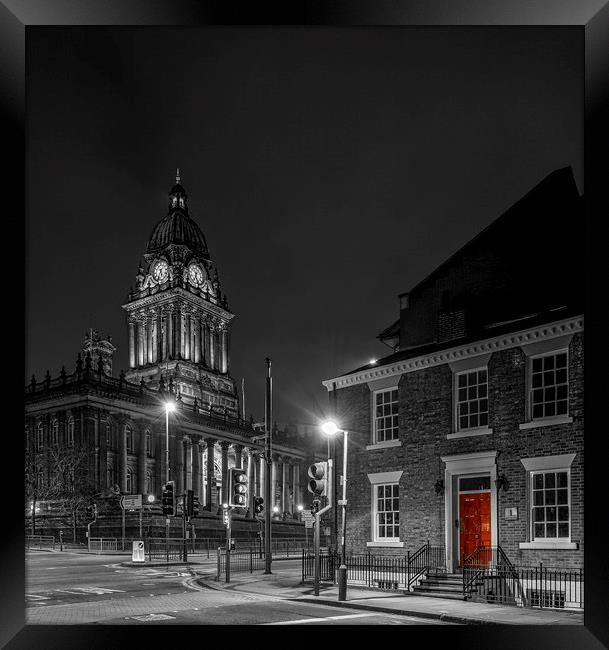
x=158, y=299
x=504, y=342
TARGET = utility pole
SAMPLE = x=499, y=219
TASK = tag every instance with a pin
x=268, y=512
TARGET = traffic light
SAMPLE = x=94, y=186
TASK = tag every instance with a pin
x=319, y=478
x=315, y=506
x=168, y=499
x=258, y=505
x=90, y=512
x=237, y=481
x=192, y=503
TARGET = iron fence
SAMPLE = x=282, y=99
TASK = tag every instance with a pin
x=240, y=562
x=380, y=571
x=489, y=576
x=40, y=542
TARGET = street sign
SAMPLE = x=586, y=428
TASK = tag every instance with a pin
x=138, y=554
x=131, y=501
x=308, y=523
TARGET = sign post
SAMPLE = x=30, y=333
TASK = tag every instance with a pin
x=131, y=502
x=226, y=514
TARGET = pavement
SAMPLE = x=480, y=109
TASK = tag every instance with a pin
x=285, y=583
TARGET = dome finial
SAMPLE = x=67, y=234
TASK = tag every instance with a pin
x=178, y=175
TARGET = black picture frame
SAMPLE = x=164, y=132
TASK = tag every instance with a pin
x=590, y=17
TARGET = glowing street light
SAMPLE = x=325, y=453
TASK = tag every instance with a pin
x=330, y=428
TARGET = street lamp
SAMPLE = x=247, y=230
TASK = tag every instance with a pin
x=330, y=429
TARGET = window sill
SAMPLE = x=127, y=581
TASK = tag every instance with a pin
x=546, y=422
x=385, y=544
x=384, y=445
x=549, y=545
x=480, y=431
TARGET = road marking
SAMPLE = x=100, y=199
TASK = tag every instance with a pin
x=37, y=597
x=89, y=590
x=151, y=617
x=319, y=620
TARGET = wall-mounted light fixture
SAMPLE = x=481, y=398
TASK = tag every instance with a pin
x=439, y=486
x=501, y=482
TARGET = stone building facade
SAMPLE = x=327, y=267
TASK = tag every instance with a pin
x=470, y=433
x=178, y=323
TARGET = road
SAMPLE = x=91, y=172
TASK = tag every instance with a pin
x=72, y=588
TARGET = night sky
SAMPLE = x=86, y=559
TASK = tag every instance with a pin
x=330, y=170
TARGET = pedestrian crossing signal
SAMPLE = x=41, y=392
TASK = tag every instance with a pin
x=258, y=505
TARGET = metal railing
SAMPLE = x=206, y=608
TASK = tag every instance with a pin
x=489, y=576
x=112, y=544
x=380, y=571
x=40, y=541
x=240, y=562
x=427, y=558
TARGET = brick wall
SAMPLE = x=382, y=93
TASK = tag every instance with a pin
x=425, y=419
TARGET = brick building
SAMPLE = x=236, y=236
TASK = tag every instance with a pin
x=470, y=432
x=179, y=324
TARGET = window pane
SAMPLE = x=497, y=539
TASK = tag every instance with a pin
x=538, y=514
x=538, y=481
x=538, y=411
x=536, y=379
x=462, y=380
x=539, y=530
x=483, y=419
x=561, y=478
x=550, y=479
x=563, y=530
x=562, y=496
x=548, y=363
x=561, y=407
x=537, y=365
x=550, y=409
x=550, y=530
x=563, y=513
x=561, y=360
x=538, y=497
x=550, y=497
x=561, y=376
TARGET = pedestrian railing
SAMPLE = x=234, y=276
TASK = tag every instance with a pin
x=489, y=576
x=110, y=544
x=240, y=562
x=40, y=542
x=367, y=570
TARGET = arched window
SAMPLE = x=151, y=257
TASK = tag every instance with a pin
x=148, y=445
x=40, y=479
x=130, y=481
x=70, y=431
x=129, y=437
x=149, y=483
x=39, y=436
x=55, y=432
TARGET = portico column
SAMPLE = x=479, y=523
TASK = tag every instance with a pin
x=187, y=336
x=197, y=331
x=212, y=347
x=187, y=464
x=131, y=344
x=196, y=469
x=250, y=482
x=210, y=442
x=122, y=457
x=140, y=343
x=285, y=494
x=148, y=339
x=238, y=456
x=262, y=480
x=296, y=499
x=179, y=464
x=169, y=334
x=224, y=445
x=141, y=462
x=154, y=338
x=273, y=483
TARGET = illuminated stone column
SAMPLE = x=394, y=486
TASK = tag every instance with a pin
x=140, y=342
x=169, y=335
x=122, y=457
x=296, y=493
x=274, y=483
x=224, y=445
x=238, y=449
x=131, y=343
x=211, y=482
x=285, y=491
x=196, y=469
x=155, y=338
x=148, y=324
x=250, y=481
x=141, y=462
x=187, y=334
x=262, y=480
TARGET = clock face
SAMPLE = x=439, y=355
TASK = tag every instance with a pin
x=160, y=271
x=195, y=275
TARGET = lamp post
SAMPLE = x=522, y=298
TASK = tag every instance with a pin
x=330, y=429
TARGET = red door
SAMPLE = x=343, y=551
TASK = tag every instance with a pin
x=475, y=522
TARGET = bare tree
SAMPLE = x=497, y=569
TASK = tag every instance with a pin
x=36, y=488
x=71, y=484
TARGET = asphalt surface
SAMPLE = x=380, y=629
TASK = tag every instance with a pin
x=72, y=588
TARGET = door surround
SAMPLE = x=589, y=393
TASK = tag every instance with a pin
x=457, y=465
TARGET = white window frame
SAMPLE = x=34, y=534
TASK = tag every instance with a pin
x=559, y=463
x=382, y=478
x=375, y=394
x=543, y=418
x=375, y=512
x=532, y=475
x=457, y=427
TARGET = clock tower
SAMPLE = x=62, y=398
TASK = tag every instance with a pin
x=178, y=317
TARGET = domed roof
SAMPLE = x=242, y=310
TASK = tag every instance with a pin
x=177, y=227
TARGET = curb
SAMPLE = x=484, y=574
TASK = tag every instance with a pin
x=447, y=618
